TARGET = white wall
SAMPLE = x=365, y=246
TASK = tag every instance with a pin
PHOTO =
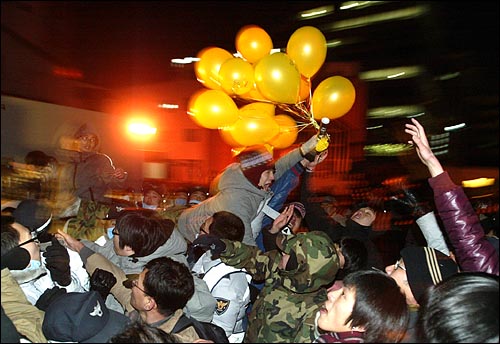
x=32, y=125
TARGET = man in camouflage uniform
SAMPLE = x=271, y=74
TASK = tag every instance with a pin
x=295, y=279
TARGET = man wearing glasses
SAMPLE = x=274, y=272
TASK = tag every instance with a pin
x=56, y=267
x=416, y=270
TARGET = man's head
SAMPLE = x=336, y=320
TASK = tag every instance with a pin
x=164, y=286
x=257, y=165
x=418, y=269
x=87, y=138
x=82, y=317
x=196, y=197
x=364, y=216
x=16, y=235
x=36, y=216
x=140, y=232
x=224, y=225
x=152, y=196
x=18, y=246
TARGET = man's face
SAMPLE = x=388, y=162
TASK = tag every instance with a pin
x=397, y=272
x=24, y=235
x=266, y=179
x=152, y=198
x=87, y=143
x=139, y=299
x=364, y=216
x=337, y=309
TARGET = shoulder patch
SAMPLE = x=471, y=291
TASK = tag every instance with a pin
x=222, y=306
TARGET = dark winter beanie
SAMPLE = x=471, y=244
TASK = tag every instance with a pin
x=253, y=161
x=425, y=267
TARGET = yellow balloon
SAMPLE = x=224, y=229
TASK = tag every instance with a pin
x=208, y=66
x=288, y=132
x=305, y=88
x=307, y=48
x=253, y=43
x=278, y=79
x=236, y=76
x=333, y=98
x=212, y=109
x=254, y=130
x=257, y=109
x=254, y=95
x=227, y=137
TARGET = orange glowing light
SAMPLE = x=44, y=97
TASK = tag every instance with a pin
x=141, y=129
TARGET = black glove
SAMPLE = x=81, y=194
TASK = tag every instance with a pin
x=57, y=261
x=48, y=297
x=102, y=281
x=211, y=242
x=411, y=201
x=17, y=258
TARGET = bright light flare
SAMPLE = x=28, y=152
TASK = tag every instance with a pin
x=141, y=129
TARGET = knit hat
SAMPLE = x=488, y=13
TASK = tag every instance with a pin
x=82, y=317
x=297, y=206
x=253, y=161
x=33, y=214
x=425, y=267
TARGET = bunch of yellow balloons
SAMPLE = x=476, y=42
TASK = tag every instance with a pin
x=266, y=79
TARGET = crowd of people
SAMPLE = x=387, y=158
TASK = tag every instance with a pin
x=246, y=264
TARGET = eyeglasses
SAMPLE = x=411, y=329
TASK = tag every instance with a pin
x=129, y=284
x=398, y=265
x=135, y=283
x=34, y=238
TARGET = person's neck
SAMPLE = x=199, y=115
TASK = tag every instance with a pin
x=154, y=317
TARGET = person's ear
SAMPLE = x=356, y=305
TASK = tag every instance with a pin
x=150, y=303
x=128, y=250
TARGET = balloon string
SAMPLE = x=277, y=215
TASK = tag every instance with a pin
x=300, y=110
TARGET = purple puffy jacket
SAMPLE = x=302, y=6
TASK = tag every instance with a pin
x=461, y=223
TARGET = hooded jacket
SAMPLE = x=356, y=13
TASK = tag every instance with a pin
x=35, y=282
x=461, y=223
x=237, y=195
x=200, y=306
x=285, y=309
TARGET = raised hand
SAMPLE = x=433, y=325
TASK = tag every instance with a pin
x=423, y=148
x=102, y=281
x=309, y=145
x=282, y=219
x=57, y=262
x=318, y=159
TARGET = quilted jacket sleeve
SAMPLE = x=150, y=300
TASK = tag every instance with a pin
x=473, y=251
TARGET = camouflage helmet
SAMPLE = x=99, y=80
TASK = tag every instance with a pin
x=317, y=261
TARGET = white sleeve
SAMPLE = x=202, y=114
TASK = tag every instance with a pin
x=232, y=294
x=80, y=279
x=432, y=233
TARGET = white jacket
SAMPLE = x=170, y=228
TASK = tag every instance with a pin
x=230, y=288
x=35, y=282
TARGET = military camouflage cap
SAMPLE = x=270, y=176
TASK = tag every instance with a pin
x=317, y=260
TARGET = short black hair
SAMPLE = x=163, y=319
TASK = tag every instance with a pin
x=142, y=332
x=170, y=283
x=143, y=230
x=226, y=225
x=463, y=308
x=355, y=254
